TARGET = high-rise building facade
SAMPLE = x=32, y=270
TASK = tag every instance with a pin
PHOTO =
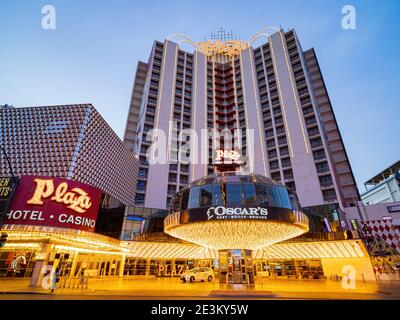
x=276, y=90
x=68, y=141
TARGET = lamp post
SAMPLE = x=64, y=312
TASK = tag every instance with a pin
x=4, y=208
x=9, y=163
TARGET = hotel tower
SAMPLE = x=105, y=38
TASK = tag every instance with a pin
x=275, y=89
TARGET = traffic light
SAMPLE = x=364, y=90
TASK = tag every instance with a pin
x=3, y=239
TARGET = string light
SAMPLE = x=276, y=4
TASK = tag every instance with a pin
x=243, y=234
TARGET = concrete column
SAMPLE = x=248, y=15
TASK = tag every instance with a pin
x=147, y=267
x=122, y=266
x=74, y=262
x=42, y=260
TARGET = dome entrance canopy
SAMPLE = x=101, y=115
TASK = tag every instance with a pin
x=234, y=211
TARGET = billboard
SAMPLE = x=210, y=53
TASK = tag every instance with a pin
x=7, y=189
x=54, y=202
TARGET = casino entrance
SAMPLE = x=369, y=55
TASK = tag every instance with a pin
x=236, y=267
x=234, y=214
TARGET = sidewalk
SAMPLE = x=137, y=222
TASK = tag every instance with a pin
x=154, y=288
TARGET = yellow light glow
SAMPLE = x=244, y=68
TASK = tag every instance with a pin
x=75, y=238
x=68, y=248
x=170, y=251
x=233, y=234
x=22, y=245
x=312, y=250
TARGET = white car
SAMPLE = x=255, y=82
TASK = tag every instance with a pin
x=198, y=274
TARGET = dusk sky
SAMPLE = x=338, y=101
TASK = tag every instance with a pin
x=92, y=55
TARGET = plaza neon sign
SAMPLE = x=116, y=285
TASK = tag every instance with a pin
x=75, y=199
x=231, y=155
x=54, y=202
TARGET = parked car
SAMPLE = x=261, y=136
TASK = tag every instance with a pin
x=198, y=274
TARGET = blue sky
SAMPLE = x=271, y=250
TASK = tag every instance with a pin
x=92, y=56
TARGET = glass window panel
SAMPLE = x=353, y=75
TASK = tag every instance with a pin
x=206, y=195
x=293, y=202
x=285, y=201
x=185, y=200
x=176, y=202
x=233, y=191
x=261, y=194
x=219, y=194
x=248, y=193
x=194, y=197
x=273, y=196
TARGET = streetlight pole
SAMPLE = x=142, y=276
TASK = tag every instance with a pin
x=4, y=208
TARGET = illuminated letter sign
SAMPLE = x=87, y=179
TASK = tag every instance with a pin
x=55, y=202
x=76, y=199
x=228, y=154
x=221, y=212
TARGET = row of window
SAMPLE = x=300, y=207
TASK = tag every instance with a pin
x=233, y=194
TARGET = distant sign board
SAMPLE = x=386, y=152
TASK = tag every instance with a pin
x=393, y=209
x=7, y=189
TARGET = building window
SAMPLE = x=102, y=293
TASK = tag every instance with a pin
x=194, y=197
x=322, y=167
x=261, y=194
x=288, y=174
x=171, y=189
x=139, y=198
x=329, y=195
x=219, y=192
x=175, y=206
x=319, y=155
x=274, y=165
x=272, y=154
x=248, y=192
x=141, y=185
x=206, y=195
x=142, y=173
x=316, y=143
x=326, y=181
x=286, y=162
x=282, y=140
x=233, y=194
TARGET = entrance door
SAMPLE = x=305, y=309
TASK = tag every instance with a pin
x=236, y=266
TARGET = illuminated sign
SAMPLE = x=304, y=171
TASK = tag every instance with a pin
x=167, y=270
x=266, y=213
x=54, y=202
x=229, y=48
x=232, y=213
x=76, y=199
x=7, y=189
x=18, y=263
x=392, y=209
x=231, y=155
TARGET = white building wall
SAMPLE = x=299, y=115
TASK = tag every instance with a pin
x=304, y=171
x=386, y=191
x=156, y=192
